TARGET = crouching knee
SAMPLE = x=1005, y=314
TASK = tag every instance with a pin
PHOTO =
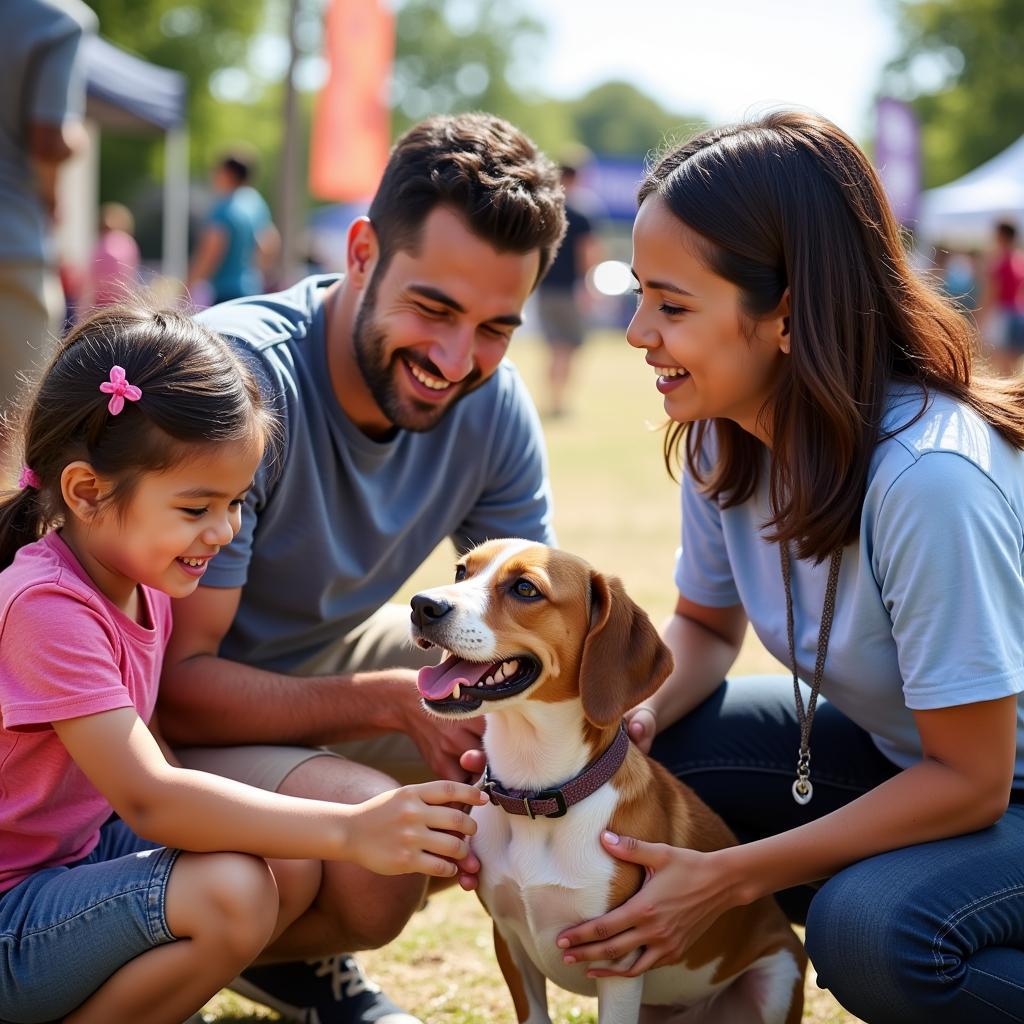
x=869, y=947
x=224, y=902
x=368, y=911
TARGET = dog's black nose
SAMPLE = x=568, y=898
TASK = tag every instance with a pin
x=426, y=611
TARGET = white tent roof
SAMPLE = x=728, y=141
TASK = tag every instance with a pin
x=963, y=212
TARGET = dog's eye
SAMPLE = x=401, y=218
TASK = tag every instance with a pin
x=525, y=589
x=460, y=573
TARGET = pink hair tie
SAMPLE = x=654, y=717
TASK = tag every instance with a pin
x=29, y=478
x=119, y=390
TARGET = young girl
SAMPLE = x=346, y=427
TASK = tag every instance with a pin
x=856, y=491
x=140, y=444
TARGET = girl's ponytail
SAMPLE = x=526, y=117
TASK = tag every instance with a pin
x=22, y=517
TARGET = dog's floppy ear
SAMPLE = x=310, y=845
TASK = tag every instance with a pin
x=624, y=660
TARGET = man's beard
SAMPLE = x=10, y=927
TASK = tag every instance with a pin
x=380, y=374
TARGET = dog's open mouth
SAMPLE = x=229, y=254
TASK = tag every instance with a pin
x=460, y=685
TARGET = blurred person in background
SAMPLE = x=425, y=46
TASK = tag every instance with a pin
x=561, y=296
x=1002, y=301
x=114, y=269
x=42, y=101
x=239, y=243
x=957, y=278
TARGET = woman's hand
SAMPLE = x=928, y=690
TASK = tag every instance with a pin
x=683, y=896
x=473, y=763
x=413, y=830
x=642, y=726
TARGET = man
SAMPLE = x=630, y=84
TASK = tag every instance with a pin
x=41, y=107
x=239, y=241
x=558, y=298
x=400, y=426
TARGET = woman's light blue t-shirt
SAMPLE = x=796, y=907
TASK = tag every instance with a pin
x=930, y=606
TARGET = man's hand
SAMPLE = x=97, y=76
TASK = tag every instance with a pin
x=441, y=741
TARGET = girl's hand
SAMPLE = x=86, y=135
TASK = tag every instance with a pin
x=413, y=830
x=682, y=898
x=642, y=726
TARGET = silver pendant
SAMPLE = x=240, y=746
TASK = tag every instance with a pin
x=802, y=790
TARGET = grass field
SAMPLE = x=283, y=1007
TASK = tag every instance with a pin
x=615, y=506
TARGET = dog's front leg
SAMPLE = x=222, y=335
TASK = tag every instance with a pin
x=526, y=984
x=618, y=1000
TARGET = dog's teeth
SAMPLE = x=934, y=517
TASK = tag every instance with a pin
x=456, y=691
x=510, y=667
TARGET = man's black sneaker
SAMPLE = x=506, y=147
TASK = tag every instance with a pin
x=329, y=991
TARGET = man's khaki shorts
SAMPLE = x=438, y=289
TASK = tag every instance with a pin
x=381, y=642
x=31, y=316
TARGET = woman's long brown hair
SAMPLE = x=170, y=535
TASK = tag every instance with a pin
x=790, y=201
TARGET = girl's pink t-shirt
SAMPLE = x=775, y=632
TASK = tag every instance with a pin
x=115, y=268
x=65, y=652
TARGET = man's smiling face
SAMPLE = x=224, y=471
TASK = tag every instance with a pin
x=435, y=322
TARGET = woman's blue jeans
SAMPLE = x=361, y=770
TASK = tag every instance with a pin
x=930, y=934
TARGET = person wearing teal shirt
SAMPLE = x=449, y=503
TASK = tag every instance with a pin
x=239, y=240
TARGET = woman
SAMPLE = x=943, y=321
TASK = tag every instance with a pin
x=855, y=491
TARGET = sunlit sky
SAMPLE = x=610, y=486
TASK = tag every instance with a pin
x=723, y=58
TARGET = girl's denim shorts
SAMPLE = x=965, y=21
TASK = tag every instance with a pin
x=64, y=931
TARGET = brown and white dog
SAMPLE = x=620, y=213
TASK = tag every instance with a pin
x=554, y=653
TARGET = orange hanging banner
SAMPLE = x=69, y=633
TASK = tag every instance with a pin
x=350, y=140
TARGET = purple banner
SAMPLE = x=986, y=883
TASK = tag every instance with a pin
x=613, y=181
x=898, y=156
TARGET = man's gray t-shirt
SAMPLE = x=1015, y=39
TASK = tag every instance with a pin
x=930, y=606
x=44, y=81
x=334, y=528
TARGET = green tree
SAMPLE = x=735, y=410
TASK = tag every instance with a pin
x=617, y=118
x=197, y=39
x=959, y=64
x=457, y=55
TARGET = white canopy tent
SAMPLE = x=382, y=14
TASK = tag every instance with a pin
x=962, y=213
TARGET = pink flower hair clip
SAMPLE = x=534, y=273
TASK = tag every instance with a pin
x=29, y=478
x=119, y=390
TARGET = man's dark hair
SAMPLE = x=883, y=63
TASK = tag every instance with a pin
x=482, y=168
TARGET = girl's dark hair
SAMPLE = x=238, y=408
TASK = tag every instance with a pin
x=790, y=201
x=195, y=391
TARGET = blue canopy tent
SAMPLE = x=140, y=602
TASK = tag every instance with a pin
x=127, y=94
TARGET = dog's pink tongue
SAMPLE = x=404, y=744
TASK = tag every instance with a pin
x=438, y=681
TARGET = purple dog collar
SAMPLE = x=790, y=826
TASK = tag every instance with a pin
x=553, y=803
